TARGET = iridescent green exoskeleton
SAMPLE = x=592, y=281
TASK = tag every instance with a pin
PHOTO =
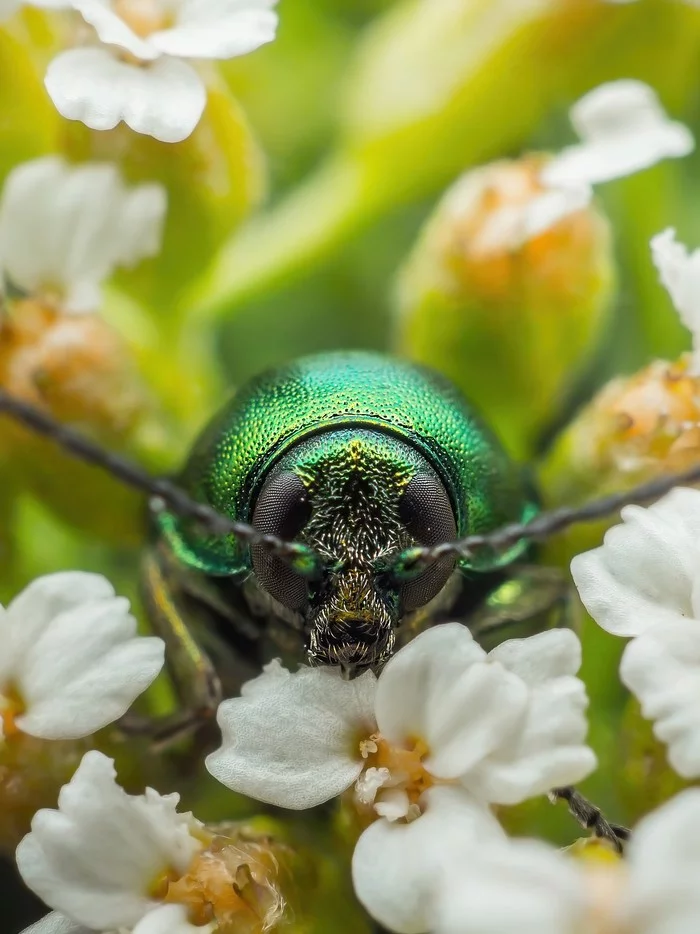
x=358, y=457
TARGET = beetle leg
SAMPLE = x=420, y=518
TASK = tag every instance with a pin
x=529, y=600
x=192, y=674
x=590, y=816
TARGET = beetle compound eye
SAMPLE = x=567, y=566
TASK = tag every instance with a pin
x=282, y=509
x=426, y=511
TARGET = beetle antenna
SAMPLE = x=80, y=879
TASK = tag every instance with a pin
x=162, y=493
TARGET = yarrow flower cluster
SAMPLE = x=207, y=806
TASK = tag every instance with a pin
x=422, y=751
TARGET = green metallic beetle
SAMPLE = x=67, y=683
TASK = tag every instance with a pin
x=358, y=457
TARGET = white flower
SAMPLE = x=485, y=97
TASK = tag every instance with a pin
x=104, y=858
x=679, y=271
x=623, y=129
x=444, y=731
x=65, y=229
x=644, y=581
x=70, y=659
x=138, y=75
x=528, y=887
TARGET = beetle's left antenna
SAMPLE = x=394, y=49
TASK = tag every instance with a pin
x=162, y=492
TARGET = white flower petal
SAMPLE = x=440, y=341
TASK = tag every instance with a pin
x=94, y=858
x=547, y=749
x=112, y=29
x=642, y=574
x=369, y=783
x=296, y=745
x=519, y=885
x=439, y=689
x=663, y=857
x=85, y=671
x=55, y=923
x=170, y=919
x=164, y=99
x=270, y=680
x=662, y=669
x=66, y=227
x=394, y=804
x=221, y=29
x=34, y=609
x=623, y=129
x=541, y=657
x=679, y=271
x=395, y=867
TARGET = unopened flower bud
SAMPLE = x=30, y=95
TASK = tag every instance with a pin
x=636, y=428
x=77, y=368
x=506, y=293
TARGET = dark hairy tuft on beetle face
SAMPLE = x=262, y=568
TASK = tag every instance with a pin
x=354, y=497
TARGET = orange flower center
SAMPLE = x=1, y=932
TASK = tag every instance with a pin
x=232, y=885
x=404, y=763
x=11, y=707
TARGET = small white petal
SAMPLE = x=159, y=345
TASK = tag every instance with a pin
x=642, y=574
x=548, y=748
x=395, y=866
x=623, y=129
x=221, y=29
x=439, y=689
x=663, y=896
x=95, y=857
x=296, y=745
x=679, y=271
x=393, y=805
x=55, y=923
x=164, y=99
x=66, y=227
x=519, y=885
x=541, y=657
x=170, y=919
x=86, y=671
x=270, y=680
x=112, y=29
x=369, y=783
x=35, y=608
x=662, y=669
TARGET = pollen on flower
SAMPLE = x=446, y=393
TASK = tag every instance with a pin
x=392, y=770
x=11, y=707
x=641, y=424
x=504, y=221
x=232, y=883
x=74, y=364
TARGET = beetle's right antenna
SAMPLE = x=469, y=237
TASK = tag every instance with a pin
x=162, y=492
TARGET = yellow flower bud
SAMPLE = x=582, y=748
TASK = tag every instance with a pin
x=637, y=427
x=506, y=293
x=81, y=371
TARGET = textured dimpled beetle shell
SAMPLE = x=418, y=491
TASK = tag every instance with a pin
x=317, y=394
